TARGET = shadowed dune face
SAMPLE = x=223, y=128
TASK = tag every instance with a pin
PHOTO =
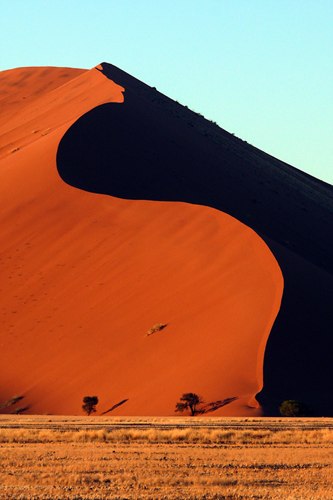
x=122, y=151
x=87, y=277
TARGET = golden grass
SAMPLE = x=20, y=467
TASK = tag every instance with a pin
x=94, y=457
x=190, y=436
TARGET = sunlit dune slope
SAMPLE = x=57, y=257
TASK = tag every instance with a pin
x=45, y=99
x=85, y=276
x=20, y=86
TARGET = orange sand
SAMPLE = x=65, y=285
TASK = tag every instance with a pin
x=84, y=277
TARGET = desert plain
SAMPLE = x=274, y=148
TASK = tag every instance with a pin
x=165, y=458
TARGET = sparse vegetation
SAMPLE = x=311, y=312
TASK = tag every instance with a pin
x=172, y=458
x=292, y=408
x=89, y=404
x=156, y=328
x=204, y=435
x=189, y=401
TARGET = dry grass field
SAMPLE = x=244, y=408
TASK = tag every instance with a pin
x=48, y=457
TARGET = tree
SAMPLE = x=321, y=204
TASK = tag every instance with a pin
x=293, y=408
x=189, y=401
x=89, y=404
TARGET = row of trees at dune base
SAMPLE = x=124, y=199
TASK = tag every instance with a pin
x=289, y=408
x=190, y=402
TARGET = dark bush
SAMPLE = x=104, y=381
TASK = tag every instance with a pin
x=189, y=401
x=89, y=404
x=293, y=408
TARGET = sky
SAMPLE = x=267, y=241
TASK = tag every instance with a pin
x=262, y=69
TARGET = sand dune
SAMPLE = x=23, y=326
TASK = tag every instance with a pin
x=201, y=163
x=86, y=274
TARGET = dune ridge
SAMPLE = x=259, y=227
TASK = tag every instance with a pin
x=86, y=276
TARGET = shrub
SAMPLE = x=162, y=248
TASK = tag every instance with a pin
x=189, y=401
x=89, y=404
x=293, y=408
x=156, y=328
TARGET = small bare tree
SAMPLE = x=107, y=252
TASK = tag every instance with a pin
x=189, y=401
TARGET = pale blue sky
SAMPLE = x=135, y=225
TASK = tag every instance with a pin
x=263, y=69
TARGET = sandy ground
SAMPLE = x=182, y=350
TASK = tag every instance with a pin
x=86, y=458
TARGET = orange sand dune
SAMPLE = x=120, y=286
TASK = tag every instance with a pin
x=22, y=85
x=151, y=147
x=46, y=110
x=85, y=276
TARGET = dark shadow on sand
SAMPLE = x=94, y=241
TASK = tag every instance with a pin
x=215, y=405
x=123, y=401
